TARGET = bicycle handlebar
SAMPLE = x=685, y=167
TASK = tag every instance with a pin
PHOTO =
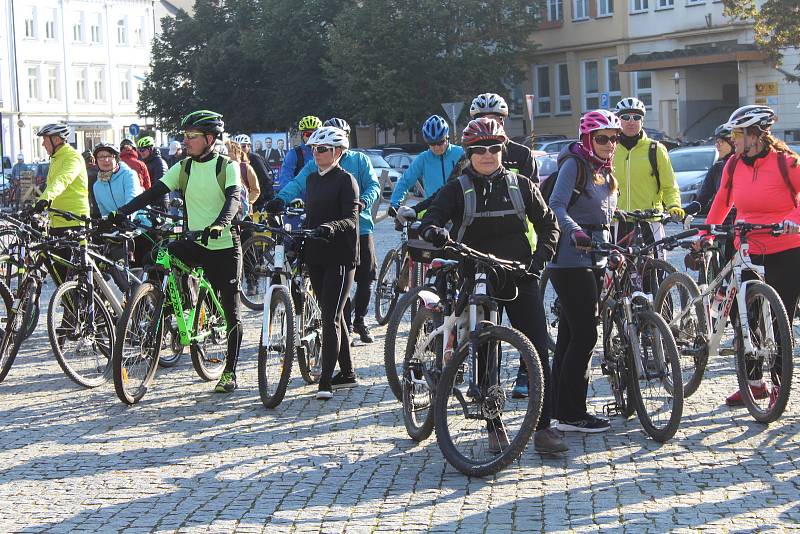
x=462, y=250
x=743, y=228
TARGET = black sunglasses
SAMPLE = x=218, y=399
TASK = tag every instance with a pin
x=321, y=149
x=605, y=139
x=493, y=149
x=438, y=143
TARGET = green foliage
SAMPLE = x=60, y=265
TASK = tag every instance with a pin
x=264, y=64
x=776, y=23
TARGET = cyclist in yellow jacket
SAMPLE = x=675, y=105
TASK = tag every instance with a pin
x=67, y=183
x=643, y=170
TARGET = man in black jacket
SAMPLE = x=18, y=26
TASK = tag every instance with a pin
x=264, y=173
x=151, y=156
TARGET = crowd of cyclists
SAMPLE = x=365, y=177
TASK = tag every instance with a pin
x=483, y=193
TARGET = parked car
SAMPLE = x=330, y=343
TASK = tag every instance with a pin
x=380, y=165
x=400, y=161
x=691, y=165
x=411, y=148
x=548, y=164
x=662, y=138
x=552, y=147
x=526, y=139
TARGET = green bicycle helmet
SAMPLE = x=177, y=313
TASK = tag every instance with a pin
x=146, y=142
x=205, y=121
x=309, y=122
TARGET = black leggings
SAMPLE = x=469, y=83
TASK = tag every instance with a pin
x=332, y=285
x=366, y=273
x=221, y=269
x=577, y=290
x=526, y=314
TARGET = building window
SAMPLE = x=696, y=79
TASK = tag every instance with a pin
x=99, y=87
x=94, y=30
x=122, y=32
x=80, y=85
x=543, y=90
x=580, y=9
x=639, y=5
x=555, y=10
x=52, y=82
x=33, y=83
x=605, y=8
x=138, y=33
x=695, y=2
x=612, y=82
x=665, y=4
x=50, y=27
x=125, y=86
x=591, y=85
x=30, y=24
x=643, y=87
x=77, y=28
x=562, y=89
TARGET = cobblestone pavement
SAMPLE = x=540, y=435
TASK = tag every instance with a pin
x=190, y=460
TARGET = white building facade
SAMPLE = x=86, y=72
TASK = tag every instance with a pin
x=76, y=61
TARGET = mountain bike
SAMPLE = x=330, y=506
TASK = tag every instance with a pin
x=400, y=271
x=763, y=337
x=480, y=427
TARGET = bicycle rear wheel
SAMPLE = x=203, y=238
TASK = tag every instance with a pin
x=772, y=357
x=137, y=342
x=480, y=437
x=386, y=289
x=689, y=326
x=19, y=320
x=616, y=355
x=82, y=345
x=552, y=308
x=420, y=374
x=309, y=359
x=208, y=354
x=276, y=353
x=657, y=390
x=256, y=261
x=397, y=333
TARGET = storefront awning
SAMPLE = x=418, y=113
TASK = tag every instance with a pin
x=89, y=125
x=695, y=55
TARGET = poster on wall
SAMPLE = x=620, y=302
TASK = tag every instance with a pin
x=272, y=146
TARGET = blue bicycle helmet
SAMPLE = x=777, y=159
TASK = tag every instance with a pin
x=435, y=129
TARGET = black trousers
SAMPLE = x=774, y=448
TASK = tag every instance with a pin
x=526, y=314
x=577, y=290
x=332, y=285
x=366, y=273
x=221, y=268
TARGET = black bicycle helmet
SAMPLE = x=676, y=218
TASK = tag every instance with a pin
x=105, y=147
x=205, y=121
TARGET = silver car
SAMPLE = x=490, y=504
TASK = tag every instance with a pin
x=691, y=165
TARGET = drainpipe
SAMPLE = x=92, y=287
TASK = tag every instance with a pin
x=15, y=73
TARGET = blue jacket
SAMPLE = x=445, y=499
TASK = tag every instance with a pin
x=433, y=169
x=357, y=164
x=118, y=191
x=289, y=163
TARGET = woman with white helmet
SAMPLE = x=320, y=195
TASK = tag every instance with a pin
x=332, y=208
x=584, y=216
x=762, y=180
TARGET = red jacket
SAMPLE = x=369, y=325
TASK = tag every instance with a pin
x=131, y=159
x=761, y=196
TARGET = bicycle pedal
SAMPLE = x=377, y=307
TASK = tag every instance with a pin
x=611, y=409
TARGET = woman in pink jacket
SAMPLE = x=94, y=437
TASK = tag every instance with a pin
x=762, y=180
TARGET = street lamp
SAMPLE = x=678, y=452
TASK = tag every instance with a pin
x=677, y=78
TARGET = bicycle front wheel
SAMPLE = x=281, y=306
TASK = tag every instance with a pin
x=480, y=427
x=397, y=334
x=310, y=359
x=386, y=290
x=81, y=344
x=689, y=326
x=616, y=350
x=420, y=374
x=771, y=360
x=137, y=342
x=18, y=325
x=276, y=353
x=256, y=261
x=657, y=387
x=552, y=308
x=210, y=351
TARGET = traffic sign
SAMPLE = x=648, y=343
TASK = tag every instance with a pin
x=453, y=109
x=604, y=101
x=134, y=129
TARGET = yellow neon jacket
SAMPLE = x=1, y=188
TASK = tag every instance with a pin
x=638, y=188
x=67, y=185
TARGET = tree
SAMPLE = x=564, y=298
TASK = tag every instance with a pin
x=396, y=61
x=776, y=23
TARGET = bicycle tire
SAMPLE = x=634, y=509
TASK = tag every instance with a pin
x=552, y=308
x=310, y=359
x=776, y=402
x=653, y=273
x=711, y=270
x=207, y=363
x=22, y=312
x=32, y=320
x=691, y=333
x=10, y=272
x=91, y=364
x=387, y=286
x=616, y=356
x=668, y=367
x=141, y=316
x=6, y=334
x=449, y=388
x=256, y=259
x=276, y=356
x=172, y=343
x=403, y=314
x=419, y=366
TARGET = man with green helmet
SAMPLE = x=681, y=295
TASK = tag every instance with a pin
x=210, y=208
x=297, y=157
x=150, y=155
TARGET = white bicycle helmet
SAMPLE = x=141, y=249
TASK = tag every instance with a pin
x=488, y=103
x=753, y=115
x=630, y=105
x=329, y=136
x=61, y=130
x=242, y=139
x=336, y=122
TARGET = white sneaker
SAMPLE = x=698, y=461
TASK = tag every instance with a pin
x=324, y=394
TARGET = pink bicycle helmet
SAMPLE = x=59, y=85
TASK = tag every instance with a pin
x=599, y=119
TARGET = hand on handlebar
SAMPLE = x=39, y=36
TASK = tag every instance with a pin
x=436, y=236
x=276, y=205
x=324, y=232
x=703, y=242
x=41, y=205
x=581, y=240
x=677, y=213
x=406, y=215
x=211, y=232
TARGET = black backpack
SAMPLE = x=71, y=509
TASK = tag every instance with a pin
x=580, y=182
x=652, y=156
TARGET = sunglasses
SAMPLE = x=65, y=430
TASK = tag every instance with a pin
x=438, y=143
x=193, y=135
x=631, y=117
x=605, y=139
x=320, y=149
x=493, y=149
